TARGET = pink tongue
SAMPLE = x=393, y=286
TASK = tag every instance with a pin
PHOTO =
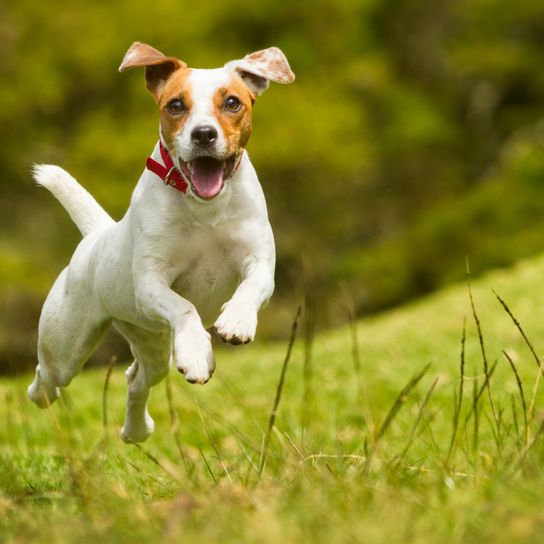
x=207, y=177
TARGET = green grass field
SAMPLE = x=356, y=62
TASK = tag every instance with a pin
x=367, y=446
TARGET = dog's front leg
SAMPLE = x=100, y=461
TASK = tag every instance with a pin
x=192, y=349
x=238, y=320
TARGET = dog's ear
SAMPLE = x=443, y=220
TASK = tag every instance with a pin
x=158, y=67
x=259, y=68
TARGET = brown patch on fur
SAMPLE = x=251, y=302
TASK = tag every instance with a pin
x=236, y=126
x=257, y=56
x=270, y=64
x=176, y=86
x=279, y=70
x=142, y=54
x=158, y=67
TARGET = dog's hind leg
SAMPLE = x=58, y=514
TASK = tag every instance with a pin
x=151, y=352
x=71, y=325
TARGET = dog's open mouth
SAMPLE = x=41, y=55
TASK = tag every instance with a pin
x=207, y=175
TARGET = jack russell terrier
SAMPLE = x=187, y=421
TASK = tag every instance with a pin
x=195, y=242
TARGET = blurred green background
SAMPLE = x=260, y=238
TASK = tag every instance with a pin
x=412, y=137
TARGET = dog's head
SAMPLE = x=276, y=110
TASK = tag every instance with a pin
x=206, y=114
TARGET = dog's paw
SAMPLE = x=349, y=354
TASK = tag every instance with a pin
x=137, y=431
x=236, y=324
x=193, y=355
x=41, y=395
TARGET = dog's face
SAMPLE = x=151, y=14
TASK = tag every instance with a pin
x=205, y=115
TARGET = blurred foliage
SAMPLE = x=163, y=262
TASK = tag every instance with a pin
x=413, y=137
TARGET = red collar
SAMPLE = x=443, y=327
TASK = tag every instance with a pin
x=168, y=173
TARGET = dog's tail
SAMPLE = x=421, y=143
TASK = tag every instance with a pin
x=84, y=210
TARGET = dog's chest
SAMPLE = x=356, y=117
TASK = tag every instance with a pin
x=207, y=264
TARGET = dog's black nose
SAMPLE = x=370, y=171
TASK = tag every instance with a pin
x=204, y=136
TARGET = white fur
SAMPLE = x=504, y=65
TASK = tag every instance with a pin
x=172, y=266
x=203, y=83
x=84, y=210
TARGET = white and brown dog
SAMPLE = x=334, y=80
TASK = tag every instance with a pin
x=194, y=244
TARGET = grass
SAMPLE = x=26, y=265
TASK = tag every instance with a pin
x=420, y=425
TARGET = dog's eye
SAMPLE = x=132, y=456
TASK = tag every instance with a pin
x=175, y=106
x=233, y=104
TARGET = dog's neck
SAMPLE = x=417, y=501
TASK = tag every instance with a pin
x=166, y=170
x=200, y=212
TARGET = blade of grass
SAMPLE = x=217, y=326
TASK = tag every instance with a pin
x=477, y=394
x=459, y=400
x=475, y=411
x=174, y=429
x=212, y=442
x=399, y=401
x=210, y=471
x=220, y=418
x=533, y=396
x=356, y=356
x=525, y=450
x=248, y=458
x=140, y=471
x=522, y=332
x=481, y=341
x=537, y=359
x=66, y=446
x=521, y=395
x=418, y=419
x=174, y=475
x=355, y=351
x=514, y=413
x=308, y=335
x=279, y=389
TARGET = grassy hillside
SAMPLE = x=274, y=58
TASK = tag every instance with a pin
x=353, y=457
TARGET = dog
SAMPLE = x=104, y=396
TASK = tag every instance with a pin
x=194, y=249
